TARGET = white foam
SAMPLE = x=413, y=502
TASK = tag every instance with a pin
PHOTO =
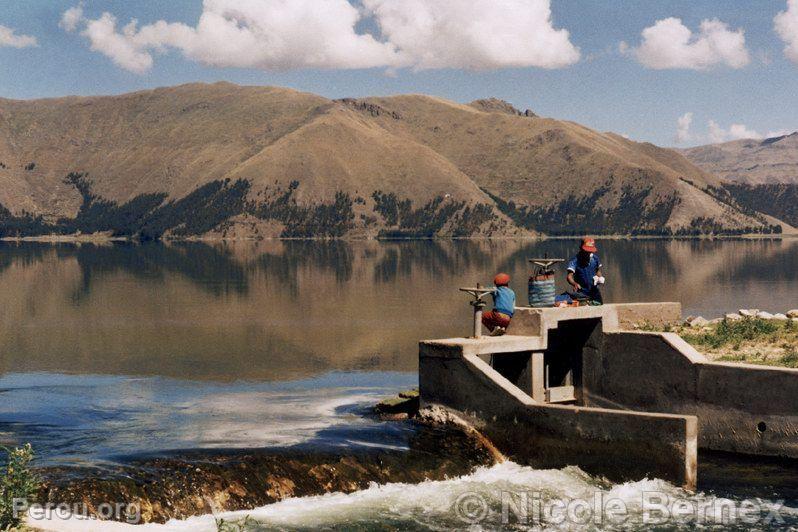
x=429, y=504
x=257, y=419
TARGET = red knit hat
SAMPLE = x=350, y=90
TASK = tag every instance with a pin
x=501, y=279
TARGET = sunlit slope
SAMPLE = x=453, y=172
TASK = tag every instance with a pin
x=752, y=161
x=310, y=166
x=543, y=162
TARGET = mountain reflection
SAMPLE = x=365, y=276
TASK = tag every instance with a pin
x=275, y=310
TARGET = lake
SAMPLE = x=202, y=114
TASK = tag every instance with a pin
x=114, y=350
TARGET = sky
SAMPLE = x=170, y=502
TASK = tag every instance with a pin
x=671, y=72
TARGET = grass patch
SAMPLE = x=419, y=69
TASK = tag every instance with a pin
x=750, y=340
x=17, y=482
x=734, y=333
x=790, y=358
x=732, y=358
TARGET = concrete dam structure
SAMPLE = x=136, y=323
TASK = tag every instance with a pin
x=576, y=386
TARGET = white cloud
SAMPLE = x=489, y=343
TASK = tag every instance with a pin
x=779, y=133
x=735, y=132
x=9, y=37
x=122, y=48
x=786, y=25
x=296, y=34
x=71, y=18
x=683, y=128
x=272, y=35
x=740, y=131
x=474, y=34
x=716, y=133
x=669, y=44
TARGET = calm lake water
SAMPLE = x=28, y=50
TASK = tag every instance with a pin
x=113, y=350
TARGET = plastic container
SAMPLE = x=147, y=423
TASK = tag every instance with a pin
x=542, y=291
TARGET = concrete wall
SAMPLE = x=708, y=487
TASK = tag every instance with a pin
x=740, y=407
x=621, y=445
x=646, y=401
x=530, y=321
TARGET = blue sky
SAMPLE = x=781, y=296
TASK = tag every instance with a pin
x=603, y=89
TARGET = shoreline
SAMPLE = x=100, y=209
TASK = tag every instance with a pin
x=101, y=238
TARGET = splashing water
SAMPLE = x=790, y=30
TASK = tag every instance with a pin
x=491, y=498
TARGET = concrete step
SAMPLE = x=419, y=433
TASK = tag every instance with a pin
x=561, y=395
x=457, y=347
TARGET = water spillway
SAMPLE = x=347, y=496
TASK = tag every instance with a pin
x=576, y=386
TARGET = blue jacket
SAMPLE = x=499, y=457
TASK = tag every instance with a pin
x=504, y=300
x=584, y=273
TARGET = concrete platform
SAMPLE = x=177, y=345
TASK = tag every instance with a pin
x=642, y=403
x=487, y=345
x=530, y=321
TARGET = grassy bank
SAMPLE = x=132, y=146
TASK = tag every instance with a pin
x=751, y=340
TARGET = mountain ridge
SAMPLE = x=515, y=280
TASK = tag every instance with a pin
x=756, y=162
x=227, y=160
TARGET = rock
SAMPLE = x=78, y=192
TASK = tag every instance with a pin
x=495, y=105
x=793, y=313
x=716, y=321
x=733, y=317
x=762, y=315
x=695, y=321
x=401, y=416
x=780, y=317
x=405, y=403
x=164, y=488
x=409, y=394
x=749, y=313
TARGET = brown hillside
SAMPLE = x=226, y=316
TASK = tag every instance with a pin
x=768, y=161
x=541, y=161
x=303, y=165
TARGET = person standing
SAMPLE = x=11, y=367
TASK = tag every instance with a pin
x=584, y=272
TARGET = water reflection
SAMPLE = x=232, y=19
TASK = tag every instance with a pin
x=91, y=420
x=286, y=310
x=286, y=263
x=401, y=259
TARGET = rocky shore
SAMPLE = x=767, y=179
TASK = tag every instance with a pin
x=700, y=321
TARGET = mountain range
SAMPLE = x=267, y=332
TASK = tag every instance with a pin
x=760, y=174
x=223, y=160
x=751, y=161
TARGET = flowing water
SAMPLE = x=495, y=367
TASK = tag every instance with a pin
x=109, y=351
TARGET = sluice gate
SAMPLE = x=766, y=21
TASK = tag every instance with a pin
x=576, y=386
